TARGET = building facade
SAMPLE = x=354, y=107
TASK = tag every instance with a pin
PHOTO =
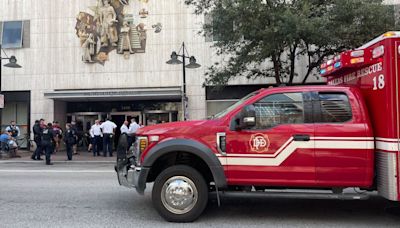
x=92, y=59
x=56, y=82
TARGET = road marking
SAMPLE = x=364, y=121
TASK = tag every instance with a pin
x=53, y=171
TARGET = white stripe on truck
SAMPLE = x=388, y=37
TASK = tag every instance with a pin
x=276, y=159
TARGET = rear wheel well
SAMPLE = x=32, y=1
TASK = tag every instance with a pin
x=180, y=158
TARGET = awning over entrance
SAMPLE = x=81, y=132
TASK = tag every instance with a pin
x=165, y=93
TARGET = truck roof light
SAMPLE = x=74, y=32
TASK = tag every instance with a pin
x=329, y=68
x=329, y=62
x=337, y=58
x=357, y=60
x=389, y=34
x=357, y=53
x=323, y=65
x=323, y=71
x=338, y=65
x=378, y=52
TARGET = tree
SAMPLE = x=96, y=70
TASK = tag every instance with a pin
x=265, y=38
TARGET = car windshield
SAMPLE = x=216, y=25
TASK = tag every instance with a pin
x=232, y=107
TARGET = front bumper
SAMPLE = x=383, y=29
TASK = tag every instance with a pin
x=132, y=176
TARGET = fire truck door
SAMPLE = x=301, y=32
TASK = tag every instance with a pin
x=279, y=150
x=343, y=151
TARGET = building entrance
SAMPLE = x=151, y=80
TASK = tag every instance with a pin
x=145, y=113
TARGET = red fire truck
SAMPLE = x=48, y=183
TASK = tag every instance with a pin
x=306, y=141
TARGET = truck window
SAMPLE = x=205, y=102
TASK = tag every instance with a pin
x=335, y=108
x=276, y=109
x=232, y=107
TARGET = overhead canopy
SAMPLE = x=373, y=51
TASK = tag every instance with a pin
x=165, y=93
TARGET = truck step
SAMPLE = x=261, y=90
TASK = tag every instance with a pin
x=299, y=195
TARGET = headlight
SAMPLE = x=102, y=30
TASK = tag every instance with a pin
x=142, y=143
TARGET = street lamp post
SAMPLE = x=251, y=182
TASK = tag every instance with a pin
x=192, y=64
x=12, y=64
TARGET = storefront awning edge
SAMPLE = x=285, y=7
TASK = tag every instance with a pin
x=140, y=94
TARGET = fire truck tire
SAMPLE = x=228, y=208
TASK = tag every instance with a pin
x=180, y=194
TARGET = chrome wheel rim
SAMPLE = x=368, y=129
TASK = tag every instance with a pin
x=179, y=195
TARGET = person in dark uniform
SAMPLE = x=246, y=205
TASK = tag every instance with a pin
x=37, y=137
x=47, y=142
x=75, y=128
x=69, y=139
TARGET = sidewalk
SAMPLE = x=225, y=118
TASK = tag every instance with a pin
x=61, y=157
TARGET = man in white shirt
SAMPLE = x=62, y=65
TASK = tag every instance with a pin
x=124, y=128
x=133, y=127
x=96, y=134
x=108, y=129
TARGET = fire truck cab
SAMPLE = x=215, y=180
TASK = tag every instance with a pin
x=322, y=139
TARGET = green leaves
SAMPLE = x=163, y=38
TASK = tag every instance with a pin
x=265, y=38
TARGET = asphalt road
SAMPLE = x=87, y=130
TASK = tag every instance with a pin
x=88, y=195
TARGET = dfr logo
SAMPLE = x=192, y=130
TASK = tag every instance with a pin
x=259, y=143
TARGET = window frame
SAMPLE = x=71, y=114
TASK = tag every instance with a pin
x=21, y=38
x=317, y=108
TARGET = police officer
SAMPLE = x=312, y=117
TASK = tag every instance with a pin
x=37, y=137
x=69, y=139
x=47, y=142
x=14, y=129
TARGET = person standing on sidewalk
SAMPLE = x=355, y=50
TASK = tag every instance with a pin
x=108, y=129
x=91, y=140
x=97, y=134
x=37, y=137
x=75, y=128
x=133, y=127
x=69, y=139
x=47, y=142
x=57, y=131
x=125, y=130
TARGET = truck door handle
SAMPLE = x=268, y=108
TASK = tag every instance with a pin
x=301, y=137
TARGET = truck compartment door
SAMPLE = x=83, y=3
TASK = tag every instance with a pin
x=343, y=150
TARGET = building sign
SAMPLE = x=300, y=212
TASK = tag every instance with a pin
x=113, y=25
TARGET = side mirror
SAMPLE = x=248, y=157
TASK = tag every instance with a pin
x=246, y=118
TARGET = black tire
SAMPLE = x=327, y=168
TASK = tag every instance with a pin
x=201, y=187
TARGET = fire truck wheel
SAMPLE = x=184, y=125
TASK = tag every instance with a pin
x=180, y=194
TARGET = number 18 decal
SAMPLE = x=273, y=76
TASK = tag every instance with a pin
x=379, y=82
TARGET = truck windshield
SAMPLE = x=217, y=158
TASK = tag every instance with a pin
x=232, y=107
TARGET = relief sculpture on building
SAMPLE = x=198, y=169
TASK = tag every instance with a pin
x=113, y=25
x=108, y=25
